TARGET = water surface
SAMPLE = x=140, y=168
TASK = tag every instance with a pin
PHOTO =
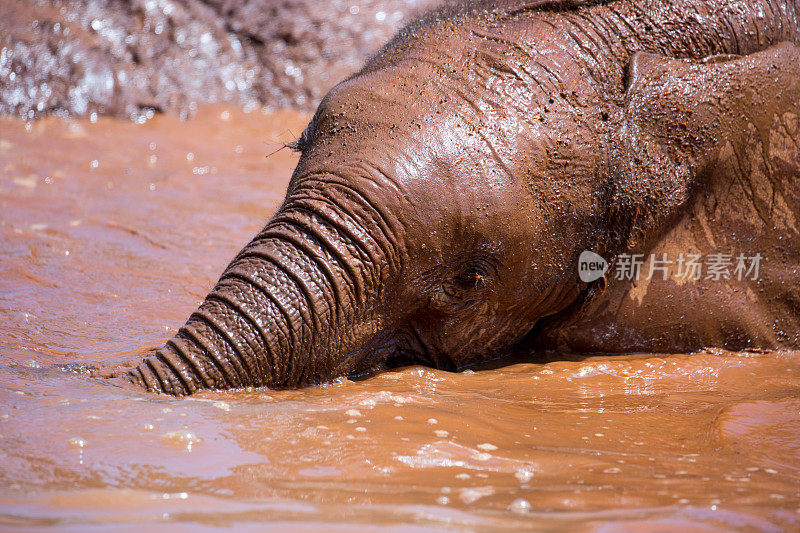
x=111, y=233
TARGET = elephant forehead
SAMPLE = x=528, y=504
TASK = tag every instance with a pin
x=393, y=94
x=437, y=124
x=484, y=146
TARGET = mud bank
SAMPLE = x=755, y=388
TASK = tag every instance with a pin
x=133, y=58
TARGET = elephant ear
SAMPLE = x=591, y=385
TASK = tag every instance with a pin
x=678, y=117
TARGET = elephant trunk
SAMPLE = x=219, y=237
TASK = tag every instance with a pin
x=285, y=312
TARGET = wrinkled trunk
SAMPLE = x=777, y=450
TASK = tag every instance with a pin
x=289, y=310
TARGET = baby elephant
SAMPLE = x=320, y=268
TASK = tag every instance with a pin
x=595, y=176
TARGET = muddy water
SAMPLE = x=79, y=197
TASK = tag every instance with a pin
x=112, y=232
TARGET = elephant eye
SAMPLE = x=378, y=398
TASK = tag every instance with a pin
x=471, y=275
x=465, y=285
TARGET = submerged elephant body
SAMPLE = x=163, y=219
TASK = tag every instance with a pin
x=445, y=192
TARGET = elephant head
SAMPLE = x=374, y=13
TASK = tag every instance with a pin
x=442, y=198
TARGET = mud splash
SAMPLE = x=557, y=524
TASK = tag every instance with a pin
x=112, y=232
x=130, y=58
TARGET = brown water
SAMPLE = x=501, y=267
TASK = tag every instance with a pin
x=111, y=233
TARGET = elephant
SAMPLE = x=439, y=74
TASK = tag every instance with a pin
x=446, y=192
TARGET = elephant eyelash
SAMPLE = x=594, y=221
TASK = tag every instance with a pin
x=474, y=278
x=303, y=143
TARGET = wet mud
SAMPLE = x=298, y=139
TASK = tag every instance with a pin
x=134, y=58
x=112, y=232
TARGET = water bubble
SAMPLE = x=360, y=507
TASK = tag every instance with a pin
x=353, y=412
x=523, y=475
x=473, y=494
x=292, y=71
x=432, y=421
x=487, y=447
x=441, y=433
x=181, y=439
x=225, y=406
x=177, y=495
x=520, y=505
x=77, y=442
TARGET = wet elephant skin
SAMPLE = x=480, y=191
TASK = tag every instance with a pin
x=445, y=192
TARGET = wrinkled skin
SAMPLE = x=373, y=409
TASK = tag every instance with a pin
x=445, y=192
